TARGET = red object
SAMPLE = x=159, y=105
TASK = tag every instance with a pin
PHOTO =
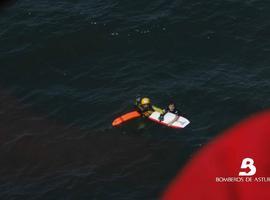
x=223, y=158
x=126, y=117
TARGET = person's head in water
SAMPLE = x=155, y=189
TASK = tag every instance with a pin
x=171, y=107
x=145, y=102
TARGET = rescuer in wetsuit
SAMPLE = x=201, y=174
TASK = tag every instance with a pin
x=145, y=107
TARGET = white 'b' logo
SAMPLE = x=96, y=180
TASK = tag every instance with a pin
x=248, y=163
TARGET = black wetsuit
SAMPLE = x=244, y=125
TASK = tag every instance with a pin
x=175, y=111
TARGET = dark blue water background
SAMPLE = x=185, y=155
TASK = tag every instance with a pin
x=68, y=68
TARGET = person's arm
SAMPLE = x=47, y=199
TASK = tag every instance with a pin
x=161, y=111
x=157, y=109
x=177, y=112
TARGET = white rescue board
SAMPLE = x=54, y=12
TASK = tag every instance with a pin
x=168, y=120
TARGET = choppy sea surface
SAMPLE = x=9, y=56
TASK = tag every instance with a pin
x=69, y=67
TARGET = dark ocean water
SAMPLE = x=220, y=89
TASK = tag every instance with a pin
x=68, y=68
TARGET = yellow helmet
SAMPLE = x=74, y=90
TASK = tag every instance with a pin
x=145, y=100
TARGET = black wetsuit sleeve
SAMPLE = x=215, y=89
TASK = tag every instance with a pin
x=138, y=108
x=177, y=112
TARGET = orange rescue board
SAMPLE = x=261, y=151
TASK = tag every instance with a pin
x=126, y=117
